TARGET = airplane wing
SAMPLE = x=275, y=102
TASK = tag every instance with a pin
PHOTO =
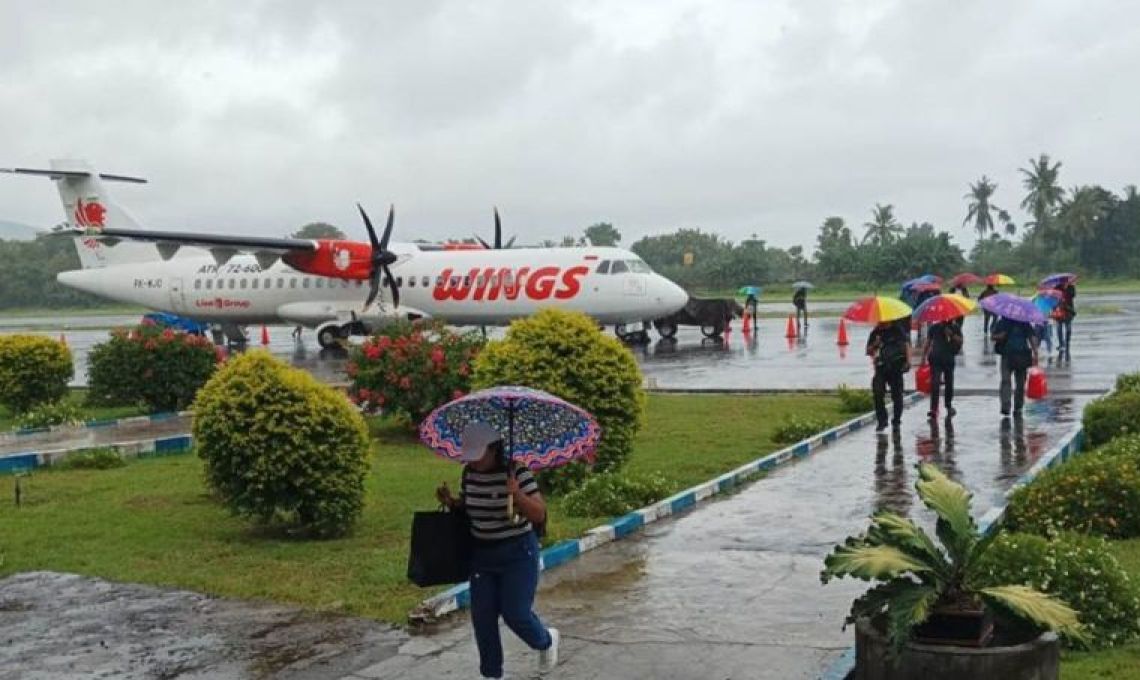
x=222, y=246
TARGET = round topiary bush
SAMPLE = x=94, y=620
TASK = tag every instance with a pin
x=33, y=370
x=567, y=355
x=1077, y=569
x=280, y=447
x=1095, y=493
x=407, y=369
x=1112, y=416
x=158, y=368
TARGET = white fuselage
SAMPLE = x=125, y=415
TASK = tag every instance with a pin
x=461, y=287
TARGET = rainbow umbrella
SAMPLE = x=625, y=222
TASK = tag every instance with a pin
x=999, y=280
x=966, y=279
x=943, y=307
x=877, y=309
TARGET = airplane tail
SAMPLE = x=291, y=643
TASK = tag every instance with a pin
x=89, y=208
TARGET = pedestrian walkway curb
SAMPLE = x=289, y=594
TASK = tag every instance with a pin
x=459, y=597
x=1069, y=446
x=26, y=461
x=97, y=423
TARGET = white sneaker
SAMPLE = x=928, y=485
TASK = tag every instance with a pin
x=548, y=658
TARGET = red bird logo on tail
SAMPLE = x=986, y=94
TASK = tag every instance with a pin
x=90, y=214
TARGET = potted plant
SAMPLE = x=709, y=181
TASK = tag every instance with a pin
x=926, y=618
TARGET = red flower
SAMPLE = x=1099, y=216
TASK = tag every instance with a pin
x=437, y=355
x=373, y=352
x=149, y=344
x=405, y=383
x=379, y=400
x=168, y=334
x=463, y=369
x=383, y=341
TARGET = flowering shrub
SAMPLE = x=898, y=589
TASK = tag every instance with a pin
x=612, y=494
x=1077, y=569
x=796, y=428
x=33, y=370
x=60, y=412
x=1096, y=494
x=410, y=368
x=1112, y=416
x=281, y=447
x=161, y=369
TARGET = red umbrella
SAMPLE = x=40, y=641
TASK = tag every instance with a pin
x=966, y=279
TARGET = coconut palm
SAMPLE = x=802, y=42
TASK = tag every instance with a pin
x=1043, y=193
x=883, y=227
x=916, y=576
x=979, y=210
x=1081, y=214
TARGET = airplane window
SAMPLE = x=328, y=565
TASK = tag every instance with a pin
x=209, y=284
x=197, y=284
x=426, y=281
x=292, y=281
x=320, y=283
x=439, y=281
x=619, y=267
x=280, y=283
x=639, y=267
x=604, y=267
x=454, y=281
x=411, y=282
x=242, y=284
x=479, y=281
x=253, y=285
x=233, y=284
x=399, y=282
x=305, y=282
x=493, y=281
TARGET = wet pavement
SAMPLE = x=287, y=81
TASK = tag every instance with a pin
x=732, y=589
x=89, y=437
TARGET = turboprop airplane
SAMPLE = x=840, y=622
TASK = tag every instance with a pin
x=340, y=287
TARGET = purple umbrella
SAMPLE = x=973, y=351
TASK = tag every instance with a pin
x=1013, y=308
x=1054, y=280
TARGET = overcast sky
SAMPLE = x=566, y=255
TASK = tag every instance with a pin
x=737, y=117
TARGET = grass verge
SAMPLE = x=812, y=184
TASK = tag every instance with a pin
x=1117, y=663
x=78, y=396
x=153, y=521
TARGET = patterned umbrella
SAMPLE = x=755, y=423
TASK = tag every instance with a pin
x=999, y=280
x=966, y=279
x=1054, y=280
x=541, y=430
x=877, y=310
x=1013, y=308
x=943, y=308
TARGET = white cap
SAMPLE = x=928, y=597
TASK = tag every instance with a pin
x=476, y=437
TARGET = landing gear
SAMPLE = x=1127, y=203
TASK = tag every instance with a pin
x=639, y=337
x=666, y=328
x=332, y=335
x=712, y=331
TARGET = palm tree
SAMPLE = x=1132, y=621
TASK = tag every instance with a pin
x=980, y=207
x=1043, y=192
x=883, y=227
x=1080, y=216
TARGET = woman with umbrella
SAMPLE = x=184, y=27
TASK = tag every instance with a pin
x=889, y=348
x=944, y=313
x=1064, y=313
x=1016, y=342
x=502, y=435
x=991, y=281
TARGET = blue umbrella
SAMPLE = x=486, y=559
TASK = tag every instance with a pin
x=1013, y=308
x=750, y=290
x=541, y=430
x=1047, y=300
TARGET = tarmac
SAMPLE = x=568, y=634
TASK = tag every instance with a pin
x=91, y=437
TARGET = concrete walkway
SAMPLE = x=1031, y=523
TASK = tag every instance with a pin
x=84, y=437
x=732, y=590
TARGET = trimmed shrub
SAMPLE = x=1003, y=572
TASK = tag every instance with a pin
x=91, y=459
x=280, y=447
x=1128, y=382
x=62, y=412
x=1095, y=493
x=853, y=400
x=614, y=493
x=33, y=370
x=797, y=428
x=1127, y=446
x=157, y=368
x=408, y=369
x=1112, y=416
x=1077, y=569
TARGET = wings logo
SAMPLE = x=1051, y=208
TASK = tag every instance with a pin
x=90, y=214
x=488, y=284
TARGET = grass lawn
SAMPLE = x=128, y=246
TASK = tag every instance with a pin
x=1121, y=662
x=153, y=522
x=77, y=397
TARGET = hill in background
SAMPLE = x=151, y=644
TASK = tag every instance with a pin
x=17, y=231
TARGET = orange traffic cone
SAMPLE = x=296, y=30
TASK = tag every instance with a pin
x=791, y=333
x=842, y=341
x=264, y=335
x=746, y=323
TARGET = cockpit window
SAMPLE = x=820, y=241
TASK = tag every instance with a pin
x=604, y=267
x=639, y=267
x=620, y=267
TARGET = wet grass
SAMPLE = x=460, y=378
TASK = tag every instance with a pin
x=153, y=521
x=77, y=396
x=1121, y=662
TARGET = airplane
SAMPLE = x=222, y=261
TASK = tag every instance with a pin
x=341, y=287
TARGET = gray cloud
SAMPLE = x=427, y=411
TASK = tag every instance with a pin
x=740, y=117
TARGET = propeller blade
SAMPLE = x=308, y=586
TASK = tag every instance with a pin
x=368, y=225
x=373, y=290
x=388, y=227
x=510, y=242
x=498, y=230
x=482, y=242
x=394, y=287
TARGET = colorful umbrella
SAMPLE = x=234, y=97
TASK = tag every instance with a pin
x=943, y=307
x=925, y=279
x=1047, y=300
x=749, y=290
x=877, y=309
x=999, y=280
x=966, y=279
x=806, y=285
x=1054, y=280
x=541, y=430
x=924, y=287
x=1013, y=308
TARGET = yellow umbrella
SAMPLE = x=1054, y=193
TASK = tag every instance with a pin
x=876, y=310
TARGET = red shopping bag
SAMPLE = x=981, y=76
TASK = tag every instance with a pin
x=922, y=379
x=1037, y=386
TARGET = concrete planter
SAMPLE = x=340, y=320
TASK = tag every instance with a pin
x=1037, y=659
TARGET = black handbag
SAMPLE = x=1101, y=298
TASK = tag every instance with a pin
x=441, y=548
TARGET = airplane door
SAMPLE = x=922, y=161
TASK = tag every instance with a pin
x=177, y=301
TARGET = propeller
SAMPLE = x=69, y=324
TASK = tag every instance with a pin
x=498, y=235
x=381, y=258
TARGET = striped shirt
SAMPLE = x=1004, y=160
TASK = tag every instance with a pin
x=485, y=499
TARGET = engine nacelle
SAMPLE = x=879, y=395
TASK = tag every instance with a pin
x=334, y=258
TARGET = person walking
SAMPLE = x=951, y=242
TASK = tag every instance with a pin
x=1063, y=315
x=1016, y=342
x=987, y=318
x=799, y=301
x=504, y=559
x=943, y=343
x=752, y=304
x=889, y=348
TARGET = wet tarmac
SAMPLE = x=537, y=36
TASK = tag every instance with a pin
x=732, y=589
x=90, y=437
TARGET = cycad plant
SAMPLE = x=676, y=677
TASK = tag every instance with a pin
x=916, y=577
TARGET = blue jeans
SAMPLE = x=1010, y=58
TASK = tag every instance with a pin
x=1064, y=333
x=504, y=576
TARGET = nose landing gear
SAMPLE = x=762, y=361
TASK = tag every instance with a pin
x=632, y=337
